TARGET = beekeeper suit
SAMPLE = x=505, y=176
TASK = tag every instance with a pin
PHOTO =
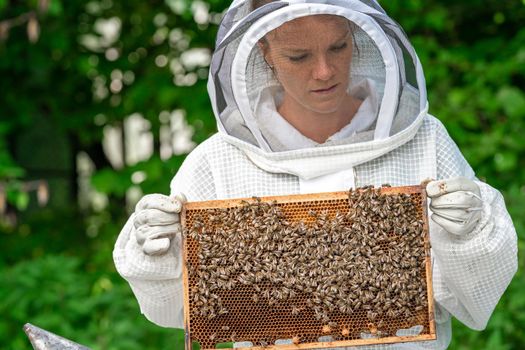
x=262, y=90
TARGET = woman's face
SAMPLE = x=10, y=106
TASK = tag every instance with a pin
x=311, y=58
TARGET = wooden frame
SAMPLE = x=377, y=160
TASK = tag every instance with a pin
x=213, y=204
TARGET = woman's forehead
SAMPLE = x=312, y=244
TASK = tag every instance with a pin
x=301, y=29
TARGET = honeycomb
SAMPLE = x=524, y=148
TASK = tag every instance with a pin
x=312, y=271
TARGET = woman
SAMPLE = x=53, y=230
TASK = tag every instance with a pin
x=314, y=97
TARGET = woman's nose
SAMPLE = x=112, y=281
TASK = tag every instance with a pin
x=322, y=70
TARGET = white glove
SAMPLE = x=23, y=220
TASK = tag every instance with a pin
x=456, y=204
x=157, y=221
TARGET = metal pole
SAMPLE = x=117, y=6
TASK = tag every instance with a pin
x=44, y=340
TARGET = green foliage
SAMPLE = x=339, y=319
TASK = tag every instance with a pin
x=474, y=58
x=95, y=308
x=158, y=173
x=57, y=272
x=10, y=172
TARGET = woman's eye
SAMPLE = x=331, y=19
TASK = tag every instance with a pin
x=297, y=58
x=339, y=47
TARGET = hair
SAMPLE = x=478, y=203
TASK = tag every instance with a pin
x=255, y=4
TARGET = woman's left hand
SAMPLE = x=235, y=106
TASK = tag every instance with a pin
x=455, y=203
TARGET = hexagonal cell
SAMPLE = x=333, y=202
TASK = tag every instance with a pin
x=341, y=266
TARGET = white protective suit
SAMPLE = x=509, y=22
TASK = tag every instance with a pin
x=403, y=146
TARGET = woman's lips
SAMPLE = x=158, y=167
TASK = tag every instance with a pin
x=328, y=90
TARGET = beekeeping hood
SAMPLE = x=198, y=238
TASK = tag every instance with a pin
x=384, y=73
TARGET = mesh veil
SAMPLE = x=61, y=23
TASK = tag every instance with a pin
x=241, y=80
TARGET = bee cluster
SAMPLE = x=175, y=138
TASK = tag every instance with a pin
x=344, y=263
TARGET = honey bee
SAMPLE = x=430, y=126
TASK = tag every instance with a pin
x=339, y=261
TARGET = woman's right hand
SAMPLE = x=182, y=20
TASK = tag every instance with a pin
x=157, y=221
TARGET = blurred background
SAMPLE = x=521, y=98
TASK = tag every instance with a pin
x=100, y=101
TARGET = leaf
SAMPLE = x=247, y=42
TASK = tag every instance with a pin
x=10, y=170
x=55, y=8
x=22, y=200
x=111, y=182
x=512, y=101
x=505, y=161
x=495, y=341
x=224, y=345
